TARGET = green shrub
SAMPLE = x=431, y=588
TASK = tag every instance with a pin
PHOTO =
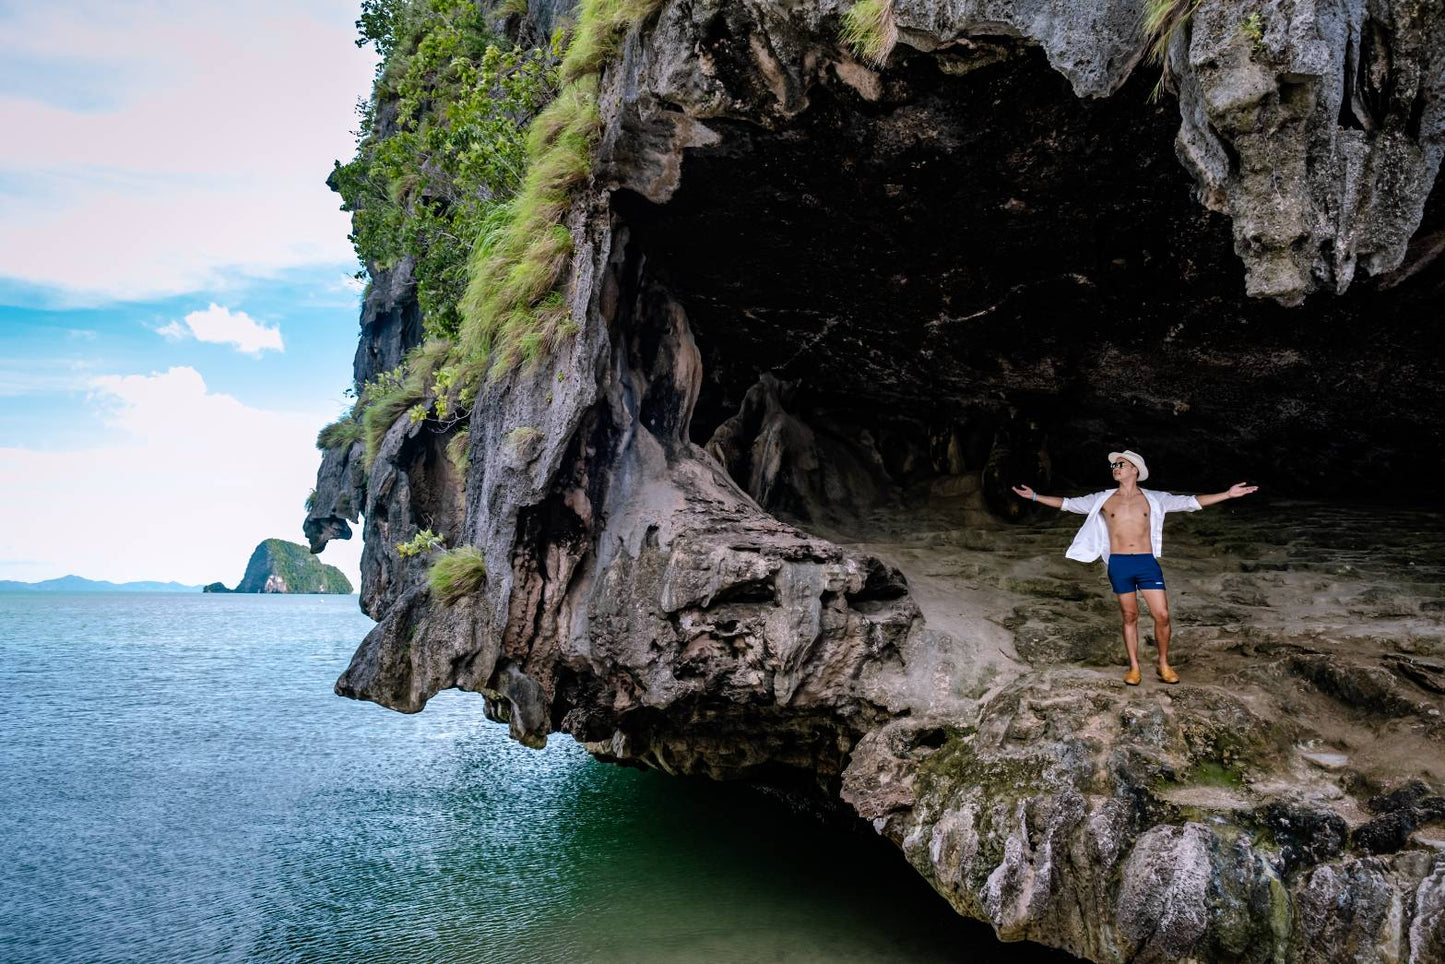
x=382, y=402
x=420, y=544
x=419, y=386
x=472, y=176
x=869, y=30
x=462, y=100
x=458, y=573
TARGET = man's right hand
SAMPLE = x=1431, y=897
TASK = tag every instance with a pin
x=1023, y=492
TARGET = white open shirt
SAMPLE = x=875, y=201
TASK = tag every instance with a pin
x=1092, y=539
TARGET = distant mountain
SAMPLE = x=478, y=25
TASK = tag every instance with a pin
x=77, y=584
x=281, y=566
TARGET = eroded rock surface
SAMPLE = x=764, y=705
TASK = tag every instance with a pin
x=754, y=522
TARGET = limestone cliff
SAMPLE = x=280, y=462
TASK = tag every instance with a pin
x=752, y=521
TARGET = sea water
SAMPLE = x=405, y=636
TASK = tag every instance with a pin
x=179, y=783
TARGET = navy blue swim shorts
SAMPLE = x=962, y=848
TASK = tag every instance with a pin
x=1129, y=571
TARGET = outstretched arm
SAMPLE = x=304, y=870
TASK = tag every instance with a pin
x=1235, y=491
x=1024, y=492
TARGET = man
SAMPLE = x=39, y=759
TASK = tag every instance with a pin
x=1126, y=526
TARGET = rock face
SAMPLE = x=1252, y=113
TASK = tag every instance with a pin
x=277, y=566
x=753, y=521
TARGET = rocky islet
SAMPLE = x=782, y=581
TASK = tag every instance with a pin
x=278, y=566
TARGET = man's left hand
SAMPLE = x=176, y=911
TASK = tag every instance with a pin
x=1239, y=488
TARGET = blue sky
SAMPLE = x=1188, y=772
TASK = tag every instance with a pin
x=177, y=313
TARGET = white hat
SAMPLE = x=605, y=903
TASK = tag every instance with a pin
x=1134, y=457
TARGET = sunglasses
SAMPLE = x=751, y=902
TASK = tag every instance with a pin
x=1118, y=465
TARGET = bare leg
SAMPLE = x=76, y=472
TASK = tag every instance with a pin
x=1159, y=609
x=1129, y=607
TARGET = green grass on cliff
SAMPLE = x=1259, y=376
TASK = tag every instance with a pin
x=512, y=310
x=456, y=574
x=443, y=142
x=342, y=433
x=869, y=30
x=382, y=402
x=458, y=452
x=473, y=180
x=1163, y=20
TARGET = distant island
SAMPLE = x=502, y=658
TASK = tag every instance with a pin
x=278, y=566
x=79, y=584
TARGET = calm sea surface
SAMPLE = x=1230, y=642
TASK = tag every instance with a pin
x=178, y=782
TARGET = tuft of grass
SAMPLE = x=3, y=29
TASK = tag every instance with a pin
x=1253, y=27
x=1163, y=19
x=869, y=30
x=342, y=433
x=458, y=450
x=573, y=111
x=522, y=435
x=378, y=418
x=520, y=259
x=409, y=389
x=458, y=573
x=600, y=26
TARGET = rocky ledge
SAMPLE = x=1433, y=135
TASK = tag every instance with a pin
x=753, y=520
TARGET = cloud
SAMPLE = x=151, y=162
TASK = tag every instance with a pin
x=178, y=171
x=224, y=327
x=188, y=482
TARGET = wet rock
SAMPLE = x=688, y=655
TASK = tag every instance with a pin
x=1387, y=833
x=1306, y=835
x=1405, y=797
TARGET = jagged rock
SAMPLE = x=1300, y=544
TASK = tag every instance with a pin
x=390, y=322
x=419, y=649
x=760, y=528
x=340, y=495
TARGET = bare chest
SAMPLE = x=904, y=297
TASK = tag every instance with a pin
x=1129, y=513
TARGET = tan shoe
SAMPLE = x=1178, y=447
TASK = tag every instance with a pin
x=1132, y=677
x=1168, y=675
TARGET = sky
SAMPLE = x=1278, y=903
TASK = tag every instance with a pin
x=178, y=310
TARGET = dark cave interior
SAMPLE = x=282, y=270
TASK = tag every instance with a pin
x=979, y=271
